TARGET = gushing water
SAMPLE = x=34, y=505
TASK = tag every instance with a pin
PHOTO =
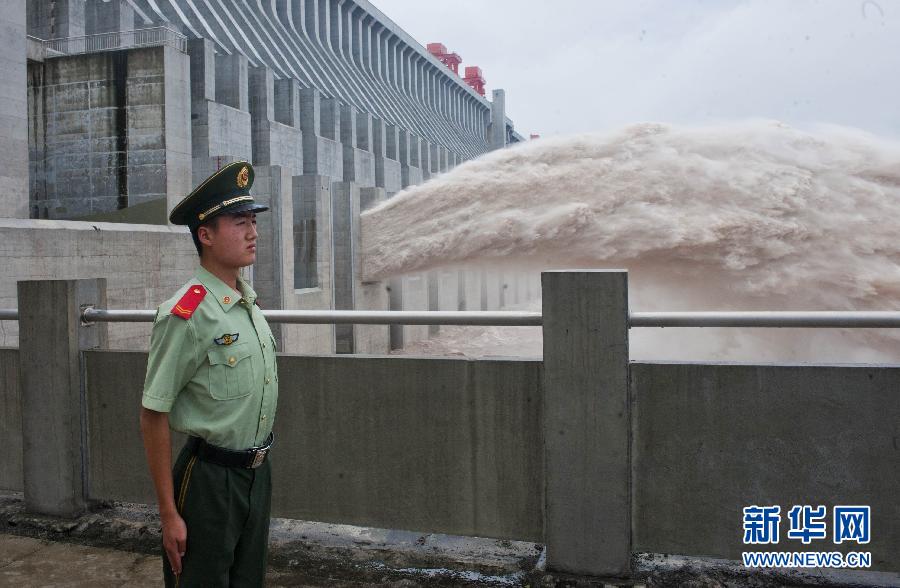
x=749, y=216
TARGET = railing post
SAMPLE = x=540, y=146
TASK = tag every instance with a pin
x=54, y=419
x=587, y=515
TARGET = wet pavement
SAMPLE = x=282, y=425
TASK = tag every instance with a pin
x=29, y=562
x=118, y=544
x=35, y=562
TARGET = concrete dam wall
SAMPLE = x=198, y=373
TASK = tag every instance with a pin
x=592, y=454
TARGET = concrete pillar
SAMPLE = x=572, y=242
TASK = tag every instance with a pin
x=442, y=158
x=403, y=142
x=287, y=102
x=433, y=299
x=348, y=125
x=378, y=147
x=105, y=16
x=370, y=197
x=392, y=143
x=406, y=140
x=231, y=81
x=415, y=150
x=395, y=302
x=310, y=111
x=203, y=69
x=364, y=131
x=348, y=141
x=177, y=110
x=261, y=81
x=51, y=338
x=310, y=124
x=13, y=112
x=331, y=119
x=587, y=516
x=498, y=120
x=345, y=208
x=55, y=19
x=426, y=159
x=379, y=137
x=435, y=159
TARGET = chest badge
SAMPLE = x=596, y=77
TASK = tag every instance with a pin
x=226, y=339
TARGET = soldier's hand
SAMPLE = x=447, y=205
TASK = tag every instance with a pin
x=174, y=533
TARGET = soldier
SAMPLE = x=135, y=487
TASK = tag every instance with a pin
x=211, y=374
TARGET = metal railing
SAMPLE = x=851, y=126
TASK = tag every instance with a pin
x=351, y=317
x=151, y=37
x=777, y=319
x=768, y=319
x=764, y=319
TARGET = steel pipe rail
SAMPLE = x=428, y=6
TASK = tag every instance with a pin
x=766, y=319
x=96, y=315
x=406, y=317
x=777, y=319
x=358, y=317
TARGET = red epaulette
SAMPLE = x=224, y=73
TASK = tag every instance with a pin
x=185, y=307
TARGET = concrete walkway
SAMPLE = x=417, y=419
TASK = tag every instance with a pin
x=27, y=562
x=33, y=562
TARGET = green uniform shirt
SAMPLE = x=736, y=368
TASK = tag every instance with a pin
x=215, y=372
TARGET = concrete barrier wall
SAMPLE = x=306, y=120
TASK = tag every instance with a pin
x=143, y=265
x=443, y=445
x=596, y=458
x=438, y=445
x=712, y=439
x=10, y=421
x=114, y=381
x=448, y=445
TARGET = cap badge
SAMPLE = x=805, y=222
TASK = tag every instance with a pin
x=243, y=177
x=226, y=339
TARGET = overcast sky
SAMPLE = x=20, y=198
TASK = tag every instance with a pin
x=592, y=65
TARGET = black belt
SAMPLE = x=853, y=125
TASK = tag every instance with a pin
x=231, y=458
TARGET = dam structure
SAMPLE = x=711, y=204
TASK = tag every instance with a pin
x=604, y=464
x=116, y=109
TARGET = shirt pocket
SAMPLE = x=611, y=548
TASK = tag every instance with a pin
x=230, y=371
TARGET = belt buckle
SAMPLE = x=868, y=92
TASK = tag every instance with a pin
x=258, y=457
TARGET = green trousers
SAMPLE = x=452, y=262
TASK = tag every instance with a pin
x=226, y=511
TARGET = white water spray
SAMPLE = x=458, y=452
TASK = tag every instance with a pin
x=750, y=216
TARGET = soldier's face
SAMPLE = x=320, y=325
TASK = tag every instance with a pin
x=231, y=240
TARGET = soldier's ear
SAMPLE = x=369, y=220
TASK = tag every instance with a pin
x=204, y=235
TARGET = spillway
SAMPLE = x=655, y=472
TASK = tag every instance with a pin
x=754, y=215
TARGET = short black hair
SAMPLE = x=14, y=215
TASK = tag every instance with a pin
x=197, y=242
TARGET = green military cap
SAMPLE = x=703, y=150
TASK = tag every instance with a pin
x=225, y=192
